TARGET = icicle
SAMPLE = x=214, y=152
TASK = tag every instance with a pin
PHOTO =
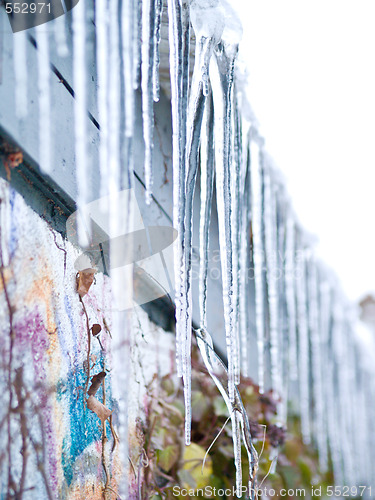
x=147, y=69
x=328, y=358
x=360, y=412
x=270, y=233
x=44, y=98
x=114, y=116
x=343, y=385
x=318, y=421
x=236, y=431
x=256, y=209
x=207, y=184
x=204, y=48
x=137, y=46
x=155, y=69
x=222, y=76
x=303, y=347
x=370, y=396
x=339, y=409
x=178, y=160
x=102, y=50
x=127, y=47
x=80, y=117
x=290, y=280
x=237, y=412
x=20, y=73
x=282, y=210
x=60, y=36
x=179, y=70
x=184, y=54
x=128, y=44
x=221, y=73
x=236, y=168
x=352, y=399
x=243, y=275
x=129, y=65
x=362, y=380
x=222, y=103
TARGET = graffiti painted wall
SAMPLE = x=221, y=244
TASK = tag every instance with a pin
x=53, y=359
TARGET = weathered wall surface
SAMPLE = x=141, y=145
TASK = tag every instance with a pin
x=51, y=444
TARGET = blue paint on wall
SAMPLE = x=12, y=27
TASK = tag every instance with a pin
x=84, y=425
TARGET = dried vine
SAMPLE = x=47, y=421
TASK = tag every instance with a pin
x=22, y=397
x=84, y=280
x=11, y=484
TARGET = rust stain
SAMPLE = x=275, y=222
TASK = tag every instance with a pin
x=8, y=275
x=12, y=160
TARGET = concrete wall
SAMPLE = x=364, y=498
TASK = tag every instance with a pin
x=44, y=351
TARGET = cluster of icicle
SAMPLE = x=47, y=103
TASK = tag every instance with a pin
x=308, y=349
x=306, y=344
x=305, y=333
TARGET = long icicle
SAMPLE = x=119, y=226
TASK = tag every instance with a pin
x=147, y=70
x=236, y=169
x=221, y=73
x=204, y=48
x=128, y=33
x=256, y=211
x=270, y=235
x=341, y=373
x=303, y=345
x=114, y=115
x=318, y=420
x=129, y=41
x=80, y=117
x=333, y=397
x=290, y=291
x=176, y=35
x=329, y=389
x=192, y=147
x=244, y=276
x=101, y=23
x=156, y=61
x=207, y=185
x=137, y=45
x=324, y=306
x=282, y=211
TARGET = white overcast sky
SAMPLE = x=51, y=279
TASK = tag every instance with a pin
x=312, y=87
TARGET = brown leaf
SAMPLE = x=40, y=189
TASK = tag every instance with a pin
x=85, y=279
x=96, y=329
x=95, y=383
x=97, y=407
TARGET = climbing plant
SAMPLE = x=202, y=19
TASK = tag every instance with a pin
x=162, y=467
